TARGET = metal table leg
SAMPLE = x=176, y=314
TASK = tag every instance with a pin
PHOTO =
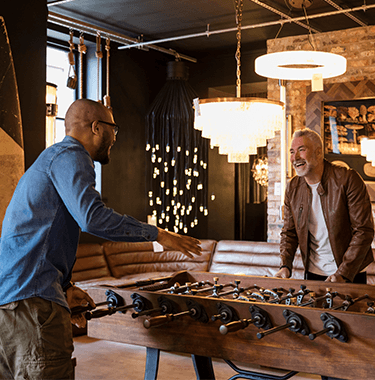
x=152, y=363
x=203, y=367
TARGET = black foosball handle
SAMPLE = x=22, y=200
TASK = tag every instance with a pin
x=321, y=332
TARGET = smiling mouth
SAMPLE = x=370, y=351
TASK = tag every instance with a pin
x=299, y=164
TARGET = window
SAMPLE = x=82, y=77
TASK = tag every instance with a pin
x=58, y=73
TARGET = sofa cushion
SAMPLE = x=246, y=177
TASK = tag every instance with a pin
x=90, y=263
x=131, y=258
x=253, y=258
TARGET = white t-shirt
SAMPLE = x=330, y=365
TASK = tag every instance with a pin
x=321, y=260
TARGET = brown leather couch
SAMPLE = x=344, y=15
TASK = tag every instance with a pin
x=115, y=263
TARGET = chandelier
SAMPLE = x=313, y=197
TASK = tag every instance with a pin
x=237, y=126
x=260, y=171
x=177, y=184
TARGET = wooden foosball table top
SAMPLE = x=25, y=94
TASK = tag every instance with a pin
x=347, y=355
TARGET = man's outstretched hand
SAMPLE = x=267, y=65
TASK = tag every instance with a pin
x=186, y=244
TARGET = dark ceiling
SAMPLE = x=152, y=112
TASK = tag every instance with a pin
x=160, y=19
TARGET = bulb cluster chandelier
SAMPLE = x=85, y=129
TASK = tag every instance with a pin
x=237, y=126
x=178, y=179
x=260, y=171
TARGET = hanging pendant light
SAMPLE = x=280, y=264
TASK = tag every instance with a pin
x=302, y=64
x=237, y=126
x=178, y=154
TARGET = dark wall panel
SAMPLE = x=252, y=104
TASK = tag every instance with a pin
x=27, y=30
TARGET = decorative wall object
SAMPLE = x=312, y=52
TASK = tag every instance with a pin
x=351, y=95
x=177, y=154
x=346, y=123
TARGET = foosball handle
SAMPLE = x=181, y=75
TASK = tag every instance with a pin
x=235, y=326
x=158, y=321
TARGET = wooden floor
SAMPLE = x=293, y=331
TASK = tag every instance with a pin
x=100, y=359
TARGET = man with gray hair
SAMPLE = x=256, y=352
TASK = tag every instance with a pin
x=327, y=213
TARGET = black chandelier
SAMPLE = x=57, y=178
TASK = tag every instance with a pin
x=177, y=185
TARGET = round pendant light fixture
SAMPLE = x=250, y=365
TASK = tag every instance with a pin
x=300, y=65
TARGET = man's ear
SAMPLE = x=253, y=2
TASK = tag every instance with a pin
x=319, y=152
x=95, y=127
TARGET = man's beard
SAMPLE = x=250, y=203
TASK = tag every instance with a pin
x=301, y=171
x=102, y=154
x=307, y=168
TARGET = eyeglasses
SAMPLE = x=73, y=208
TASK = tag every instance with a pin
x=115, y=126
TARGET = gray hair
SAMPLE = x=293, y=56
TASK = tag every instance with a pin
x=313, y=136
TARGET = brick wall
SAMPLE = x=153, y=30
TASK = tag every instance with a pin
x=357, y=45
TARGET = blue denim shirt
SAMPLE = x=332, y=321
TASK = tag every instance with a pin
x=54, y=199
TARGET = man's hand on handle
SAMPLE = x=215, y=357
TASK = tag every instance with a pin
x=335, y=278
x=75, y=296
x=283, y=273
x=186, y=244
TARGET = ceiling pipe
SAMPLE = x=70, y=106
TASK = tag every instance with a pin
x=282, y=14
x=129, y=42
x=114, y=36
x=354, y=18
x=58, y=2
x=261, y=25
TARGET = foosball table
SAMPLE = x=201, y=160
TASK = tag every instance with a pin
x=295, y=325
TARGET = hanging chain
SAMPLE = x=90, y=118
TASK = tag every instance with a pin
x=107, y=99
x=311, y=37
x=72, y=79
x=99, y=56
x=82, y=49
x=239, y=8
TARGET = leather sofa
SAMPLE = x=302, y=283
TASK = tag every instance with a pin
x=115, y=263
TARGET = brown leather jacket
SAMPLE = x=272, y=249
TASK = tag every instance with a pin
x=348, y=215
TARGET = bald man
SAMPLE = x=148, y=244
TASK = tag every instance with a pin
x=53, y=201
